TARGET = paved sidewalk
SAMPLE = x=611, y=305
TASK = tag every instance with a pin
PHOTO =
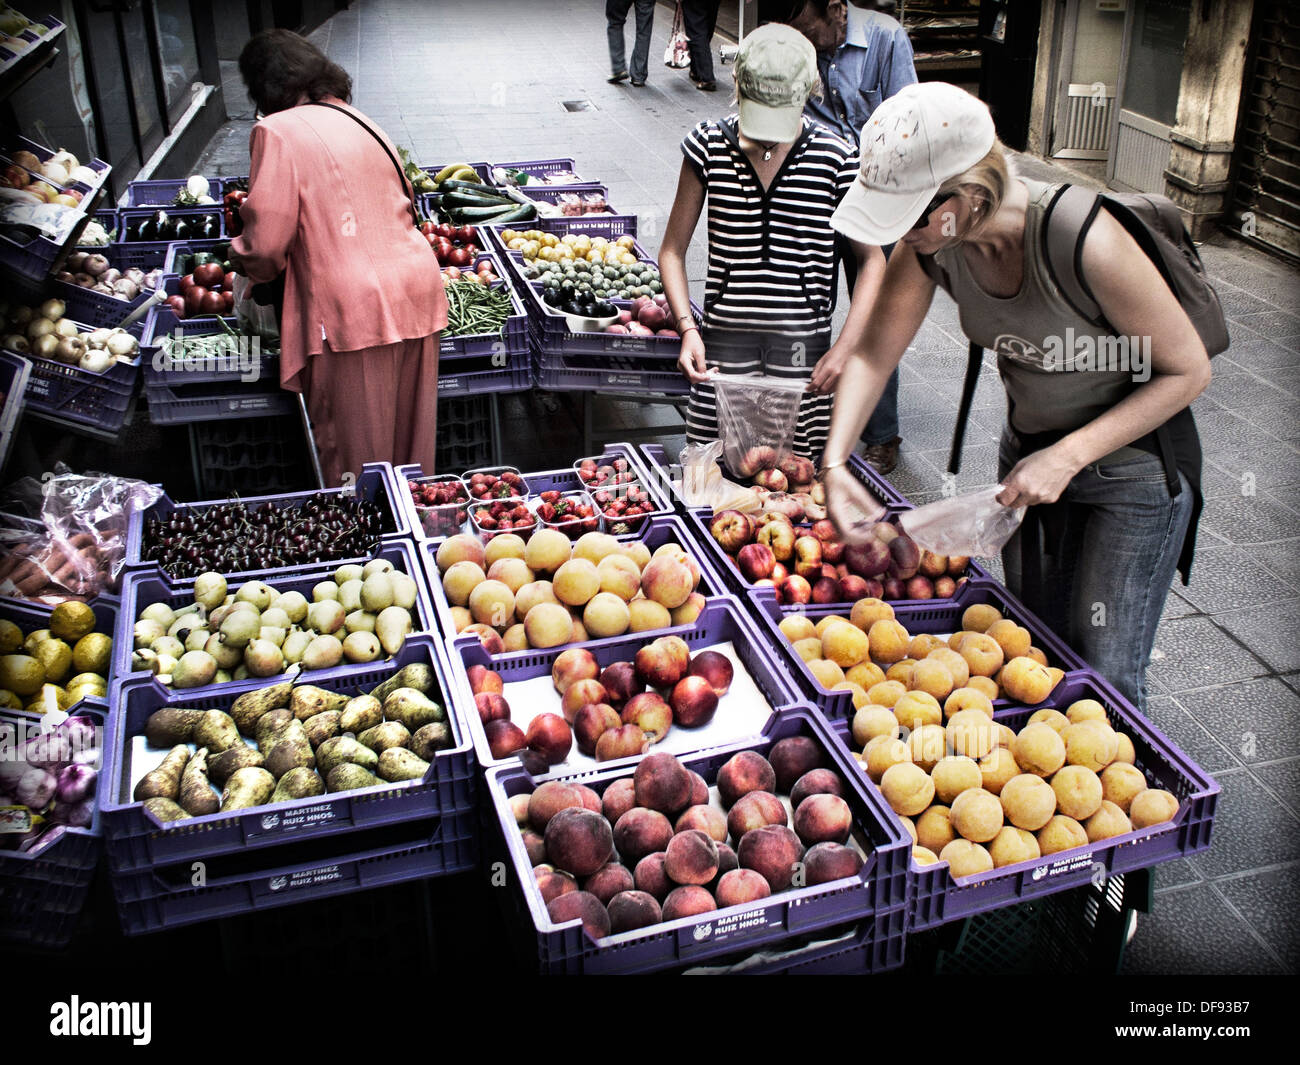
x=485, y=80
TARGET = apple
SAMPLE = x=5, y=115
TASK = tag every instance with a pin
x=794, y=589
x=772, y=480
x=779, y=537
x=808, y=557
x=755, y=561
x=732, y=529
x=867, y=559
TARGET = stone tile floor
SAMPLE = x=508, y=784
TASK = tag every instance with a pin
x=463, y=79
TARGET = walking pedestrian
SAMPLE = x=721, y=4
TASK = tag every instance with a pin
x=326, y=210
x=1107, y=460
x=616, y=16
x=699, y=19
x=864, y=57
x=772, y=178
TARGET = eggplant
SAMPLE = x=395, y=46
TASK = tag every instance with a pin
x=209, y=228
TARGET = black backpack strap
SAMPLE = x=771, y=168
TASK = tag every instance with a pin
x=401, y=174
x=1066, y=220
x=974, y=359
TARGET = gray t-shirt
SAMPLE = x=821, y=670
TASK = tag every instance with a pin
x=1059, y=372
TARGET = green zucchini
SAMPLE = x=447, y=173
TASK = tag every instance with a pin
x=477, y=215
x=470, y=199
x=470, y=186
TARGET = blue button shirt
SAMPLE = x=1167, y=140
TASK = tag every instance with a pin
x=872, y=64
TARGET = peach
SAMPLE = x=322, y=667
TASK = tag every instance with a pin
x=1028, y=801
x=826, y=673
x=460, y=618
x=791, y=758
x=914, y=709
x=888, y=640
x=1107, y=820
x=1124, y=751
x=856, y=695
x=534, y=845
x=548, y=625
x=966, y=858
x=463, y=547
x=739, y=886
x=626, y=741
x=693, y=701
x=926, y=746
x=924, y=856
x=866, y=612
x=907, y=788
x=774, y=852
x=714, y=667
x=504, y=545
x=953, y=774
x=1061, y=833
x=515, y=638
x=797, y=627
x=579, y=694
x=630, y=910
x=707, y=819
x=547, y=550
x=1078, y=791
x=576, y=582
x=650, y=876
x=590, y=800
x=742, y=773
x=639, y=832
x=571, y=666
x=826, y=622
x=823, y=818
x=688, y=901
x=1092, y=744
x=902, y=672
x=816, y=781
x=595, y=546
x=1014, y=639
x=637, y=552
x=691, y=857
x=488, y=637
x=1085, y=710
x=678, y=554
x=667, y=581
x=754, y=810
x=870, y=721
x=844, y=644
x=1039, y=750
x=996, y=768
x=865, y=674
x=491, y=706
x=727, y=861
x=591, y=722
x=618, y=575
x=982, y=654
x=609, y=880
x=578, y=840
x=979, y=617
x=531, y=594
x=579, y=633
x=825, y=862
x=972, y=733
x=699, y=789
x=620, y=682
x=504, y=738
x=1121, y=783
x=809, y=649
x=663, y=662
x=512, y=572
x=482, y=679
x=967, y=699
x=645, y=615
x=688, y=613
x=552, y=883
x=662, y=783
x=934, y=829
x=923, y=644
x=1026, y=681
x=618, y=799
x=883, y=752
x=583, y=906
x=1153, y=806
x=910, y=826
x=1036, y=654
x=550, y=736
x=1012, y=846
x=519, y=807
x=933, y=677
x=886, y=693
x=956, y=665
x=977, y=815
x=460, y=580
x=1047, y=716
x=606, y=615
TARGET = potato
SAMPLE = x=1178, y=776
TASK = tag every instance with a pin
x=397, y=763
x=347, y=776
x=164, y=781
x=300, y=783
x=166, y=728
x=248, y=787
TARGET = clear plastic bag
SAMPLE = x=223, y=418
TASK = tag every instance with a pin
x=254, y=318
x=972, y=524
x=702, y=483
x=67, y=534
x=757, y=419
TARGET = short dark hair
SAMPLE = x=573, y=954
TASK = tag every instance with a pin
x=787, y=11
x=279, y=66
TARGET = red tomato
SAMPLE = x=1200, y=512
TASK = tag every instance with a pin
x=209, y=275
x=177, y=305
x=443, y=249
x=227, y=302
x=194, y=299
x=443, y=230
x=460, y=257
x=187, y=283
x=427, y=227
x=228, y=283
x=212, y=303
x=470, y=234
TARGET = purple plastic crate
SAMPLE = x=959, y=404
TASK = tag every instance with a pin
x=150, y=254
x=136, y=842
x=161, y=898
x=36, y=258
x=172, y=264
x=723, y=619
x=917, y=616
x=377, y=483
x=539, y=168
x=162, y=320
x=43, y=153
x=43, y=893
x=879, y=888
x=29, y=616
x=510, y=346
x=873, y=945
x=14, y=371
x=187, y=403
x=246, y=362
x=162, y=192
x=614, y=373
x=656, y=531
x=936, y=897
x=516, y=377
x=142, y=587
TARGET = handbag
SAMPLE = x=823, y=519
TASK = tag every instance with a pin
x=271, y=293
x=678, y=52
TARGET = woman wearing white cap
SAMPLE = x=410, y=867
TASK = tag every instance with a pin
x=773, y=178
x=1081, y=449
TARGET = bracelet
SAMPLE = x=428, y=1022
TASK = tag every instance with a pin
x=833, y=465
x=689, y=328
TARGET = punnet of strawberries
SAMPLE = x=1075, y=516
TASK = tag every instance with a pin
x=573, y=513
x=507, y=485
x=504, y=515
x=595, y=474
x=440, y=503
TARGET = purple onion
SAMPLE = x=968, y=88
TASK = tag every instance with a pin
x=76, y=782
x=73, y=814
x=82, y=731
x=89, y=756
x=49, y=750
x=36, y=789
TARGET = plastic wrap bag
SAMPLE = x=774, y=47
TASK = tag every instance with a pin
x=757, y=419
x=66, y=536
x=703, y=485
x=972, y=524
x=254, y=318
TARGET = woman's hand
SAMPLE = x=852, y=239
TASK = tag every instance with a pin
x=851, y=508
x=826, y=374
x=1038, y=478
x=691, y=360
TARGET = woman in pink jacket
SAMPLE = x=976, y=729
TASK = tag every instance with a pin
x=329, y=208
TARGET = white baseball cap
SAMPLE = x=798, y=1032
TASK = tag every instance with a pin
x=914, y=142
x=776, y=69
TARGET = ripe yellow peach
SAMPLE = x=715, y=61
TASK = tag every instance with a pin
x=982, y=654
x=965, y=858
x=967, y=699
x=1014, y=639
x=934, y=830
x=927, y=746
x=956, y=665
x=979, y=617
x=867, y=674
x=870, y=721
x=797, y=627
x=953, y=774
x=866, y=612
x=996, y=768
x=914, y=709
x=1092, y=744
x=844, y=644
x=886, y=693
x=933, y=678
x=1026, y=681
x=1039, y=750
x=972, y=733
x=645, y=614
x=1152, y=807
x=907, y=788
x=888, y=640
x=1029, y=802
x=883, y=752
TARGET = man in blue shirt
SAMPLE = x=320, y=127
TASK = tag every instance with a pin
x=863, y=57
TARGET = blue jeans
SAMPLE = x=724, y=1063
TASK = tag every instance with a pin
x=1104, y=585
x=616, y=15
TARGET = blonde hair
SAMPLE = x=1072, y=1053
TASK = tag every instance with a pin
x=983, y=187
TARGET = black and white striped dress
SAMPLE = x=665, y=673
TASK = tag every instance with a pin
x=769, y=295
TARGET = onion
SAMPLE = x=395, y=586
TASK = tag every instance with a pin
x=99, y=337
x=111, y=274
x=22, y=315
x=16, y=342
x=74, y=814
x=95, y=360
x=76, y=261
x=36, y=788
x=76, y=782
x=48, y=750
x=83, y=174
x=70, y=350
x=87, y=756
x=11, y=772
x=82, y=731
x=65, y=159
x=53, y=309
x=126, y=288
x=123, y=344
x=44, y=346
x=95, y=265
x=39, y=327
x=66, y=327
x=133, y=273
x=56, y=172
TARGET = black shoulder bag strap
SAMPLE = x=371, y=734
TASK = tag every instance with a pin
x=401, y=174
x=974, y=358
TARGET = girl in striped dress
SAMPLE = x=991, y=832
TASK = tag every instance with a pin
x=772, y=178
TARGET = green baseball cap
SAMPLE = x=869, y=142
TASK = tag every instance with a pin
x=776, y=70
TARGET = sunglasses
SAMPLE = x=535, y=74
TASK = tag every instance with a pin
x=924, y=220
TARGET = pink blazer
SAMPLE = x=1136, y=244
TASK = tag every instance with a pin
x=325, y=206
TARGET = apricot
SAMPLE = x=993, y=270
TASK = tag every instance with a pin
x=866, y=612
x=492, y=603
x=1121, y=783
x=515, y=638
x=910, y=826
x=1012, y=846
x=1028, y=801
x=796, y=627
x=1106, y=821
x=689, y=611
x=934, y=829
x=460, y=619
x=977, y=815
x=967, y=699
x=906, y=787
x=966, y=858
x=1078, y=791
x=1092, y=744
x=927, y=746
x=1039, y=750
x=870, y=721
x=637, y=552
x=1061, y=833
x=1026, y=681
x=865, y=674
x=979, y=617
x=972, y=733
x=845, y=645
x=667, y=581
x=883, y=752
x=996, y=768
x=463, y=547
x=953, y=774
x=888, y=640
x=1152, y=807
